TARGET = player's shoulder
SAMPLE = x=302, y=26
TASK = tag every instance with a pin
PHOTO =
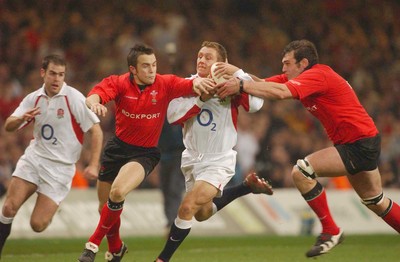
x=118, y=80
x=70, y=90
x=321, y=68
x=123, y=77
x=33, y=96
x=73, y=95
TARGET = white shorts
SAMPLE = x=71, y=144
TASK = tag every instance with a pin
x=216, y=169
x=53, y=179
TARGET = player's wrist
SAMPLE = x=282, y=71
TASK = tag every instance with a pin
x=241, y=86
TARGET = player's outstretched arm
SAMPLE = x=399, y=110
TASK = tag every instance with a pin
x=202, y=85
x=266, y=90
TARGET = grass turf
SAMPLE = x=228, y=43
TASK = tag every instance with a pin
x=363, y=248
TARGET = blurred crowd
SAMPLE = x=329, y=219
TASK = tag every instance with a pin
x=360, y=39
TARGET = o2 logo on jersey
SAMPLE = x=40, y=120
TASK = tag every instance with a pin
x=205, y=118
x=47, y=133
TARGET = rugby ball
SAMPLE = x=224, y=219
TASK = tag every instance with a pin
x=216, y=79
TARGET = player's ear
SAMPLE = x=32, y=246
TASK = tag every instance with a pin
x=132, y=69
x=304, y=63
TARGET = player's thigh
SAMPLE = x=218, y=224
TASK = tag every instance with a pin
x=327, y=163
x=201, y=193
x=18, y=192
x=129, y=177
x=198, y=201
x=44, y=210
x=367, y=184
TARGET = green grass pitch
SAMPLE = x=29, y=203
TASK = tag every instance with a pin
x=359, y=248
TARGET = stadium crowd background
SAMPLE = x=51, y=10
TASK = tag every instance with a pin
x=360, y=39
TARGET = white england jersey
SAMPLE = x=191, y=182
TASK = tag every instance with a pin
x=211, y=126
x=61, y=124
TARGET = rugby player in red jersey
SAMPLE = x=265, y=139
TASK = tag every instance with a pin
x=141, y=99
x=356, y=140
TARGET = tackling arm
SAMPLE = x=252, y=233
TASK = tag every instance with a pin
x=266, y=90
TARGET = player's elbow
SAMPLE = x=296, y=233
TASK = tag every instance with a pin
x=172, y=120
x=9, y=126
x=282, y=95
x=96, y=131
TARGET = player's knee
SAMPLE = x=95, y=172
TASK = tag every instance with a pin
x=186, y=209
x=376, y=200
x=378, y=204
x=39, y=225
x=117, y=194
x=202, y=215
x=9, y=209
x=303, y=169
x=200, y=218
x=298, y=177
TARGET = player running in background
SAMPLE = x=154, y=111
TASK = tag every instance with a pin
x=60, y=118
x=208, y=162
x=141, y=97
x=172, y=183
x=356, y=140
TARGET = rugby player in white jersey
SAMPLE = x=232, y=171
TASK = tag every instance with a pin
x=60, y=118
x=208, y=162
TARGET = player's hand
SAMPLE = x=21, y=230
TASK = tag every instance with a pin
x=230, y=87
x=225, y=70
x=204, y=97
x=91, y=172
x=203, y=85
x=30, y=114
x=98, y=109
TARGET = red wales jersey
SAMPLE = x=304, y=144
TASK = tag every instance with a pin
x=333, y=101
x=139, y=115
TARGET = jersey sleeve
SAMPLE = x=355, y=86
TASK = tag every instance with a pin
x=277, y=79
x=250, y=103
x=183, y=108
x=26, y=104
x=308, y=83
x=83, y=115
x=106, y=89
x=181, y=87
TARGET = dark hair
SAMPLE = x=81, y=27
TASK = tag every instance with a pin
x=303, y=49
x=221, y=51
x=55, y=59
x=136, y=51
